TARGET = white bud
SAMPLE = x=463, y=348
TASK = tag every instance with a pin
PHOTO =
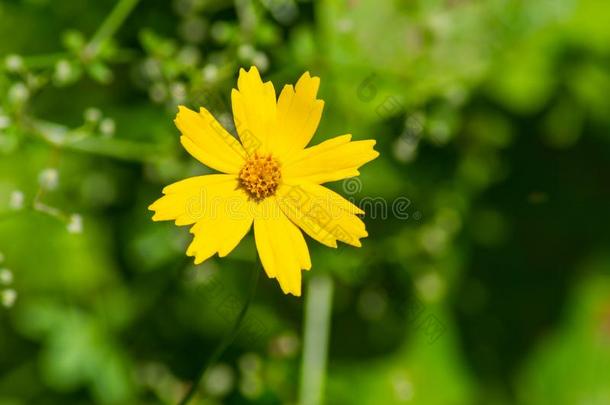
x=250, y=363
x=219, y=380
x=178, y=92
x=13, y=63
x=16, y=200
x=4, y=121
x=157, y=92
x=246, y=51
x=152, y=68
x=49, y=178
x=63, y=71
x=6, y=276
x=403, y=388
x=210, y=72
x=92, y=114
x=107, y=127
x=189, y=56
x=404, y=150
x=9, y=296
x=261, y=61
x=75, y=224
x=193, y=29
x=18, y=93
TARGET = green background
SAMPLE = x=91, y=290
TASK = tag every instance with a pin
x=485, y=278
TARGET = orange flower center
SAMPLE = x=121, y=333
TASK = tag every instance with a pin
x=260, y=176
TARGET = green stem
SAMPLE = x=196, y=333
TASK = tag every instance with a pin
x=110, y=25
x=227, y=340
x=44, y=61
x=65, y=138
x=318, y=308
x=246, y=17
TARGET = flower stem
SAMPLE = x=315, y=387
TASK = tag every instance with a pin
x=227, y=340
x=110, y=25
x=315, y=342
x=62, y=137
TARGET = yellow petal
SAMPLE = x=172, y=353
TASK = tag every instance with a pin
x=298, y=116
x=223, y=232
x=190, y=199
x=335, y=159
x=221, y=212
x=281, y=246
x=207, y=141
x=322, y=213
x=254, y=110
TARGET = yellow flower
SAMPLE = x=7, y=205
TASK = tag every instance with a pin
x=270, y=179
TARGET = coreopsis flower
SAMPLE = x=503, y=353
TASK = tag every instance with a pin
x=269, y=179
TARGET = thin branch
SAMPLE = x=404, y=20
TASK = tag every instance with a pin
x=227, y=340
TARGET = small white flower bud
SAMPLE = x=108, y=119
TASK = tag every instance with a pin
x=92, y=114
x=246, y=51
x=5, y=121
x=13, y=63
x=63, y=71
x=9, y=296
x=158, y=92
x=18, y=93
x=6, y=276
x=178, y=92
x=49, y=178
x=75, y=225
x=16, y=200
x=107, y=127
x=261, y=61
x=210, y=72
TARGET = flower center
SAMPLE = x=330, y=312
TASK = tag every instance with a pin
x=260, y=176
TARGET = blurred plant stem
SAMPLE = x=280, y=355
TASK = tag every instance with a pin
x=228, y=339
x=318, y=308
x=109, y=27
x=246, y=17
x=43, y=61
x=65, y=138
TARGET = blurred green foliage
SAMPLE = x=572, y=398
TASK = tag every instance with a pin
x=486, y=275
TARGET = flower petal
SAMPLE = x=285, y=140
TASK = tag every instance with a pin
x=254, y=110
x=221, y=212
x=207, y=141
x=188, y=200
x=298, y=116
x=322, y=214
x=331, y=160
x=281, y=246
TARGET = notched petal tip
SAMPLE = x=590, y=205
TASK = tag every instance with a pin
x=253, y=71
x=291, y=291
x=182, y=110
x=375, y=152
